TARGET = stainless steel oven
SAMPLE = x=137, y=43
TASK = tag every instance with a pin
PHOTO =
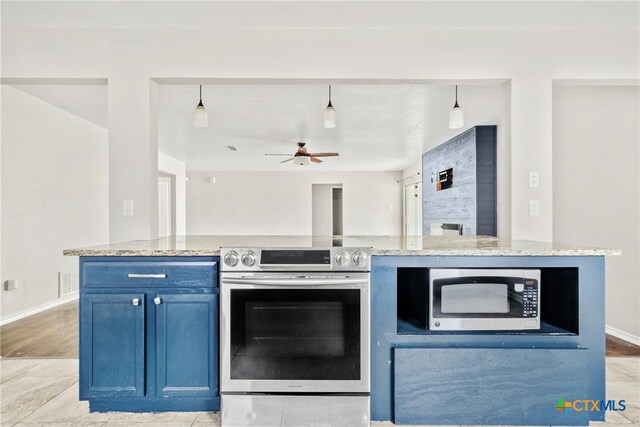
x=295, y=329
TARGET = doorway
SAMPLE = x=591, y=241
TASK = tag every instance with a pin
x=166, y=205
x=413, y=209
x=327, y=213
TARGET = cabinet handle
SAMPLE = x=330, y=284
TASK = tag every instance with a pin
x=157, y=300
x=135, y=301
x=146, y=276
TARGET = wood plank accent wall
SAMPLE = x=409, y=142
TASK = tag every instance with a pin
x=471, y=201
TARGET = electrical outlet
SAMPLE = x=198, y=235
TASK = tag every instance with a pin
x=534, y=179
x=127, y=207
x=534, y=208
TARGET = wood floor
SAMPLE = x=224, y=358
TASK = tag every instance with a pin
x=618, y=347
x=54, y=333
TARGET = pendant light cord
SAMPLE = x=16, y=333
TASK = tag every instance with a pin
x=456, y=104
x=330, y=97
x=200, y=104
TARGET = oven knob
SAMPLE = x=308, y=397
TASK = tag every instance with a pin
x=360, y=259
x=248, y=259
x=231, y=259
x=342, y=259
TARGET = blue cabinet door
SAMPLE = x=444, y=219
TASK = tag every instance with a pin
x=186, y=345
x=112, y=345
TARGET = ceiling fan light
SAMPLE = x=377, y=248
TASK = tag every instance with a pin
x=200, y=117
x=301, y=160
x=329, y=117
x=456, y=117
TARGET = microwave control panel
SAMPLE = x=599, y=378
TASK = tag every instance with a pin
x=529, y=299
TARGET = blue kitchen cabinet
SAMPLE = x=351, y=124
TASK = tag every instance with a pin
x=149, y=333
x=421, y=376
x=186, y=345
x=113, y=345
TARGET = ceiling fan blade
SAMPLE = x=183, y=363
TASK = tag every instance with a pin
x=324, y=154
x=288, y=160
x=314, y=160
x=271, y=154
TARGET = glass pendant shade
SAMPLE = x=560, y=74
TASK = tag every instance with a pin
x=200, y=116
x=456, y=118
x=329, y=114
x=329, y=117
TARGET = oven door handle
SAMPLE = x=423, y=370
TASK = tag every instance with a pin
x=294, y=282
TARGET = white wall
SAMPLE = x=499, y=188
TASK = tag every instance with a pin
x=174, y=167
x=54, y=196
x=279, y=203
x=597, y=185
x=531, y=43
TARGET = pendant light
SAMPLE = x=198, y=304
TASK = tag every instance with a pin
x=329, y=114
x=456, y=116
x=200, y=118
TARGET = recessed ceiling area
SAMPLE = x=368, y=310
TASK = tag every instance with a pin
x=380, y=127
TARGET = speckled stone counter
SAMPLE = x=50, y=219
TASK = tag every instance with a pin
x=381, y=245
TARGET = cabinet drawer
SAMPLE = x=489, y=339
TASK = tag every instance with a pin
x=489, y=386
x=156, y=274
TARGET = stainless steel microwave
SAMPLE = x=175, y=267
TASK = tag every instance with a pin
x=484, y=299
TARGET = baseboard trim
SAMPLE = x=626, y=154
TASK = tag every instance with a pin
x=71, y=297
x=622, y=335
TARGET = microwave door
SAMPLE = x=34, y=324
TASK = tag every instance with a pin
x=484, y=299
x=477, y=297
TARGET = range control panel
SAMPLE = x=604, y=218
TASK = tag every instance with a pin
x=295, y=259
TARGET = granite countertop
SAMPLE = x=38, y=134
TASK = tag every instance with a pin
x=381, y=245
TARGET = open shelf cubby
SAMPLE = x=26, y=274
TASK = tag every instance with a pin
x=558, y=304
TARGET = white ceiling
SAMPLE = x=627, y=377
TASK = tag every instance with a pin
x=380, y=127
x=473, y=14
x=88, y=101
x=384, y=127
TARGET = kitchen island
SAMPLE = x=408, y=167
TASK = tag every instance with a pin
x=135, y=360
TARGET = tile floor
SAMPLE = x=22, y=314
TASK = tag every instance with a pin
x=44, y=392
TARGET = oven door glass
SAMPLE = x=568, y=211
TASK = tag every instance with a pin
x=295, y=334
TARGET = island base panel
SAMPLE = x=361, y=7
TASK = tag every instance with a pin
x=490, y=386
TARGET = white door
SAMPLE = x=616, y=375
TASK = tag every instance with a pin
x=164, y=206
x=326, y=209
x=413, y=209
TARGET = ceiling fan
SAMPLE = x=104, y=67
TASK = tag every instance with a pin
x=303, y=157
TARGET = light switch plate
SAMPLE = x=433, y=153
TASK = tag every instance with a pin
x=534, y=208
x=534, y=179
x=127, y=207
x=10, y=284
